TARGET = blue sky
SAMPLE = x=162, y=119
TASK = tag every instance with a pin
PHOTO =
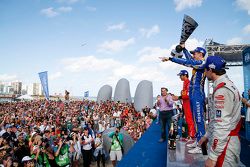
x=85, y=44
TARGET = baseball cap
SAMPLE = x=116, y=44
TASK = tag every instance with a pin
x=183, y=72
x=26, y=158
x=200, y=50
x=215, y=62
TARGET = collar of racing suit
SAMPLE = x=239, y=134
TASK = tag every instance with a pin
x=219, y=80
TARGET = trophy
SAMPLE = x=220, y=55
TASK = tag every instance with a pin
x=188, y=27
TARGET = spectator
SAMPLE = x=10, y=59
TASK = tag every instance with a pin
x=28, y=161
x=99, y=152
x=87, y=141
x=247, y=103
x=116, y=146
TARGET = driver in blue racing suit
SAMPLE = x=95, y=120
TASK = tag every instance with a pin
x=196, y=89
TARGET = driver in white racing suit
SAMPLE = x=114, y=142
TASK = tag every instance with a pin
x=225, y=117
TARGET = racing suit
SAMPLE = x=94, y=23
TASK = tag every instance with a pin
x=187, y=109
x=225, y=123
x=196, y=89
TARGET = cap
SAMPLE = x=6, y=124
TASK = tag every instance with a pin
x=26, y=158
x=200, y=50
x=33, y=133
x=183, y=72
x=215, y=62
x=19, y=134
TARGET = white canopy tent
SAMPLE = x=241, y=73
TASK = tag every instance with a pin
x=25, y=97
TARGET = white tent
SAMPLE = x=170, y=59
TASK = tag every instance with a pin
x=25, y=97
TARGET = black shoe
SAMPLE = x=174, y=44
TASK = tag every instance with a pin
x=162, y=140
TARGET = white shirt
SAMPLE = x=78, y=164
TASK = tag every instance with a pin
x=88, y=140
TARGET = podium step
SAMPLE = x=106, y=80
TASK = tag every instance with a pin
x=181, y=158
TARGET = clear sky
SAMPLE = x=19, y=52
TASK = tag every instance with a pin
x=85, y=44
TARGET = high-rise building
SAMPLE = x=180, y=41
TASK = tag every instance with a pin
x=34, y=89
x=1, y=88
x=25, y=89
x=17, y=87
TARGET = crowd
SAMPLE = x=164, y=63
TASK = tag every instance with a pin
x=56, y=133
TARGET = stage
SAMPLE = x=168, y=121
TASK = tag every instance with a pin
x=148, y=152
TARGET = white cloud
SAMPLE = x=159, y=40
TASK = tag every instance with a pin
x=244, y=4
x=89, y=63
x=55, y=75
x=124, y=70
x=119, y=26
x=149, y=32
x=184, y=4
x=149, y=73
x=152, y=54
x=6, y=77
x=246, y=29
x=115, y=45
x=49, y=12
x=192, y=43
x=234, y=41
x=137, y=73
x=91, y=8
x=65, y=9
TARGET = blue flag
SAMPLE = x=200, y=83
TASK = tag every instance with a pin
x=44, y=81
x=86, y=94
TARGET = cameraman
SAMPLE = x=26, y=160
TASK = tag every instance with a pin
x=116, y=146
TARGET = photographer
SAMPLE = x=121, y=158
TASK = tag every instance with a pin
x=87, y=141
x=77, y=148
x=99, y=152
x=62, y=153
x=116, y=146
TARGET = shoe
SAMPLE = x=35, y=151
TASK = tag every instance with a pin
x=171, y=148
x=192, y=145
x=162, y=140
x=178, y=137
x=196, y=150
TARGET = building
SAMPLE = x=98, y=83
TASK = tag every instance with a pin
x=34, y=89
x=17, y=87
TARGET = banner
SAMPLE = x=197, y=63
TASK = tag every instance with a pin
x=44, y=81
x=86, y=94
x=246, y=70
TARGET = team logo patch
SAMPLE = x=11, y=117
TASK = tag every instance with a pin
x=220, y=97
x=219, y=106
x=215, y=144
x=218, y=113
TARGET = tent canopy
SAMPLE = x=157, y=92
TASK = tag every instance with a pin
x=25, y=97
